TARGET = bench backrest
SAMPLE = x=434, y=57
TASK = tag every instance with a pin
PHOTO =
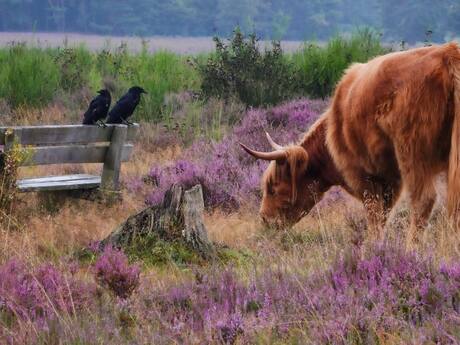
x=75, y=144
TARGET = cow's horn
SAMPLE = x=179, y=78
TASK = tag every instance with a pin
x=268, y=156
x=274, y=145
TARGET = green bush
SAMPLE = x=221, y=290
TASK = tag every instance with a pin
x=28, y=77
x=320, y=68
x=114, y=64
x=237, y=70
x=240, y=68
x=75, y=66
x=160, y=74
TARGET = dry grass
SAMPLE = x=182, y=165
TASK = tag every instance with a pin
x=48, y=230
x=23, y=116
x=46, y=233
x=311, y=244
x=237, y=230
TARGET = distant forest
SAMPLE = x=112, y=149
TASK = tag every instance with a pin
x=397, y=20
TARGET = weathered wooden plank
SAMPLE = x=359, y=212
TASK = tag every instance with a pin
x=44, y=155
x=113, y=159
x=87, y=183
x=10, y=137
x=67, y=134
x=61, y=178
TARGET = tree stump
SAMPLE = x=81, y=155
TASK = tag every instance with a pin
x=178, y=217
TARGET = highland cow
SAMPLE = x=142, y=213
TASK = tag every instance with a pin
x=393, y=122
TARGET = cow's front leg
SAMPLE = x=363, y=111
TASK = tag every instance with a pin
x=378, y=198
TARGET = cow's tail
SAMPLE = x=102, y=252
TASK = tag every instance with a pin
x=453, y=179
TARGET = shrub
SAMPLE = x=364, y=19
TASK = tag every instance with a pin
x=9, y=165
x=113, y=271
x=362, y=297
x=240, y=68
x=159, y=74
x=357, y=299
x=113, y=63
x=320, y=68
x=29, y=76
x=75, y=66
x=189, y=119
x=229, y=176
x=40, y=294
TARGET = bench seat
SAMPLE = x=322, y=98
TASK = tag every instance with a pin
x=71, y=144
x=65, y=182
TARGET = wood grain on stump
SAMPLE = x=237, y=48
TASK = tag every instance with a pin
x=178, y=217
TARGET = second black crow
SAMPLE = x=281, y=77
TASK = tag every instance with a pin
x=98, y=108
x=126, y=106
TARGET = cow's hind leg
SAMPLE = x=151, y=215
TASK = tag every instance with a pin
x=415, y=160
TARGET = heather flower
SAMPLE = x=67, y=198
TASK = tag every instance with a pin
x=387, y=290
x=361, y=295
x=230, y=177
x=230, y=328
x=94, y=246
x=113, y=271
x=135, y=184
x=40, y=293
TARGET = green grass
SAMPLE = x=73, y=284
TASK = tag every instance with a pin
x=33, y=77
x=75, y=66
x=28, y=77
x=161, y=73
x=320, y=68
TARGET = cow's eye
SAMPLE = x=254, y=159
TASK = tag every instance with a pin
x=270, y=190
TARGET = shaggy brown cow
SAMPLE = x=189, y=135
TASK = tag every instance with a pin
x=393, y=122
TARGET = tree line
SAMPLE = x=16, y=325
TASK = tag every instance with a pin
x=409, y=20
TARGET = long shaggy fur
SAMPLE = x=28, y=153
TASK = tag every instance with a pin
x=395, y=121
x=453, y=195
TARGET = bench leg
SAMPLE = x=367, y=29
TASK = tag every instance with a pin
x=112, y=162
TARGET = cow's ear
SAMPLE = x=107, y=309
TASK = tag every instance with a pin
x=297, y=159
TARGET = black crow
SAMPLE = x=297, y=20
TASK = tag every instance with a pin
x=125, y=106
x=98, y=108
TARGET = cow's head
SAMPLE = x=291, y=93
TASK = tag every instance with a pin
x=290, y=188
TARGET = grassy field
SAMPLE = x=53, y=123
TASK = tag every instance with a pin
x=325, y=281
x=34, y=76
x=288, y=268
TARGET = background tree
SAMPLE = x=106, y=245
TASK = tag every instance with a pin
x=410, y=20
x=287, y=19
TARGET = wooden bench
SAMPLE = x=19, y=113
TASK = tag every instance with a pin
x=72, y=144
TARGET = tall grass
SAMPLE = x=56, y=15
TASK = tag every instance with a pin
x=239, y=68
x=320, y=68
x=75, y=65
x=160, y=74
x=28, y=76
x=33, y=77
